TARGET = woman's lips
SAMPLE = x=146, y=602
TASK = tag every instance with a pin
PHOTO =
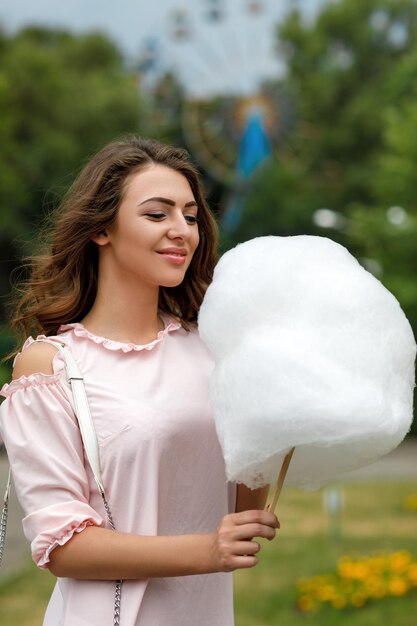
x=178, y=258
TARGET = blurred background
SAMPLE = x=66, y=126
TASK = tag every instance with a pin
x=302, y=118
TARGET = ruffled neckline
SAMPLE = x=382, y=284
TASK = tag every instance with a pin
x=110, y=344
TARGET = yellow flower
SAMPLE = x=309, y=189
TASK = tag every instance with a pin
x=360, y=571
x=399, y=560
x=326, y=593
x=345, y=570
x=397, y=587
x=412, y=574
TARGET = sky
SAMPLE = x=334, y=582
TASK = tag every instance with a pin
x=232, y=55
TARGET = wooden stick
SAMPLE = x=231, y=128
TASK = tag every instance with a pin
x=280, y=481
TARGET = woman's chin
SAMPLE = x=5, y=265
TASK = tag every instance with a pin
x=172, y=282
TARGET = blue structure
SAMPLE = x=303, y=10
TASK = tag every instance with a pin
x=254, y=149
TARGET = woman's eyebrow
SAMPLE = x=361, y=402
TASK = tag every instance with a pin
x=168, y=201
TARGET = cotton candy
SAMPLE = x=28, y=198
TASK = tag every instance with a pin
x=311, y=351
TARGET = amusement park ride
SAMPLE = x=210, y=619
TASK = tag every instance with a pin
x=223, y=54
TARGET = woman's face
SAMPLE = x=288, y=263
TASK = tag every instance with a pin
x=155, y=233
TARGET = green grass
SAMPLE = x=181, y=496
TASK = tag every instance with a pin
x=373, y=520
x=24, y=596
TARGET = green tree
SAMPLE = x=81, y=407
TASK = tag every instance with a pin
x=62, y=96
x=352, y=76
x=341, y=71
x=387, y=230
x=345, y=72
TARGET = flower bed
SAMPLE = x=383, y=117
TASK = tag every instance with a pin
x=358, y=581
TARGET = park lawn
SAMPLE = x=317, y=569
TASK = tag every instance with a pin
x=24, y=596
x=373, y=520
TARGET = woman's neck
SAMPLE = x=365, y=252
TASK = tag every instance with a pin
x=124, y=313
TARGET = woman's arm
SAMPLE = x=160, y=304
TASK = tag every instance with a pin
x=95, y=552
x=98, y=553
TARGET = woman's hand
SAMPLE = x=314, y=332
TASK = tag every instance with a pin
x=232, y=543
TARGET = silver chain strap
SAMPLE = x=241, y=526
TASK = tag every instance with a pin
x=117, y=603
x=3, y=526
x=4, y=516
x=119, y=583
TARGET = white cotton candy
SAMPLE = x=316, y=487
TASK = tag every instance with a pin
x=311, y=351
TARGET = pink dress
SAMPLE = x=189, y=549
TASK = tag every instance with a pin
x=161, y=463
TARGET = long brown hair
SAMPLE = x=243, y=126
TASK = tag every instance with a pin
x=62, y=282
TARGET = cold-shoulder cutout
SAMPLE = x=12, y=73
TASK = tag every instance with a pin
x=37, y=358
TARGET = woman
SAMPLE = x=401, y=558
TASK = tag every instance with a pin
x=132, y=251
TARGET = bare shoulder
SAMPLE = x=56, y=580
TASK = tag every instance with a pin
x=37, y=358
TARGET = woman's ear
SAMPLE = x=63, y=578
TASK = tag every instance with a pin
x=101, y=239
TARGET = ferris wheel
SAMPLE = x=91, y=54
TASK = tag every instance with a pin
x=223, y=53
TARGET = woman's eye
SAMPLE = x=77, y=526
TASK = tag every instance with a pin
x=190, y=219
x=156, y=216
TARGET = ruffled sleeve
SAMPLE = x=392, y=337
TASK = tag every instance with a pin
x=43, y=442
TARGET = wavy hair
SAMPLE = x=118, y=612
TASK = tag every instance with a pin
x=62, y=283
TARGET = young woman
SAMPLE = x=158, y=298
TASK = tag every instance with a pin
x=131, y=252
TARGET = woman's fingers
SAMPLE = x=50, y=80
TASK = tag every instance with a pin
x=255, y=517
x=244, y=554
x=254, y=530
x=246, y=548
x=243, y=562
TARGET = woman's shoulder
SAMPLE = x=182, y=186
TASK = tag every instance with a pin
x=38, y=364
x=36, y=357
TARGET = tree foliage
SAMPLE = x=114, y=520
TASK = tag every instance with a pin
x=351, y=74
x=61, y=97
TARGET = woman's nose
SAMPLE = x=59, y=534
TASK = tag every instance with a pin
x=178, y=228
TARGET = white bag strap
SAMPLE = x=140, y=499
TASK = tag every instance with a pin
x=85, y=422
x=88, y=434
x=82, y=410
x=8, y=487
